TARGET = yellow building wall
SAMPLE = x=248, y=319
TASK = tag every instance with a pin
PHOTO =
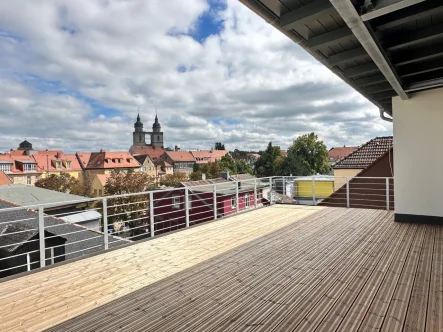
x=74, y=174
x=340, y=176
x=23, y=178
x=322, y=188
x=98, y=189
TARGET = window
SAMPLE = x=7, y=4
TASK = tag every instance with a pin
x=100, y=192
x=58, y=164
x=233, y=203
x=28, y=167
x=247, y=202
x=158, y=138
x=68, y=164
x=28, y=180
x=95, y=192
x=176, y=202
x=49, y=255
x=5, y=167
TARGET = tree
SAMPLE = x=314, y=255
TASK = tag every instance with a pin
x=269, y=162
x=228, y=164
x=129, y=211
x=219, y=146
x=64, y=183
x=173, y=180
x=307, y=155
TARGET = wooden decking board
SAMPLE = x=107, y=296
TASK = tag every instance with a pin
x=230, y=233
x=395, y=316
x=362, y=302
x=268, y=311
x=434, y=319
x=312, y=268
x=418, y=302
x=225, y=295
x=168, y=289
x=271, y=294
x=348, y=288
x=330, y=288
x=377, y=310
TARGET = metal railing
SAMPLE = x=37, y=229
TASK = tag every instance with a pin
x=39, y=235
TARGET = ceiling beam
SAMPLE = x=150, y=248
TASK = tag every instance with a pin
x=371, y=80
x=378, y=88
x=361, y=70
x=365, y=37
x=330, y=38
x=430, y=84
x=403, y=39
x=420, y=68
x=426, y=9
x=305, y=13
x=355, y=53
x=384, y=7
x=384, y=95
x=418, y=55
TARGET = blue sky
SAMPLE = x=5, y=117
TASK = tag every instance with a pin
x=75, y=78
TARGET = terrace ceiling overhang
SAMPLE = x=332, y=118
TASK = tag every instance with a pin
x=382, y=48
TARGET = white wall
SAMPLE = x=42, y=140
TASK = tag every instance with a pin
x=418, y=153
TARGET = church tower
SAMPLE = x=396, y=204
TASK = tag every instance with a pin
x=138, y=136
x=157, y=134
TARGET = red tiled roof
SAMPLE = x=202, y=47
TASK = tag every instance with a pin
x=17, y=163
x=284, y=153
x=4, y=179
x=46, y=161
x=206, y=156
x=107, y=160
x=180, y=156
x=103, y=178
x=366, y=154
x=153, y=152
x=335, y=154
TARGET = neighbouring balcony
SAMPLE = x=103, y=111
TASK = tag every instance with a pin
x=282, y=267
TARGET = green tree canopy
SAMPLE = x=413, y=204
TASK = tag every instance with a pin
x=173, y=180
x=269, y=162
x=306, y=156
x=219, y=146
x=64, y=183
x=129, y=211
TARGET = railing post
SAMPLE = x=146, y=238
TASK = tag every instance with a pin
x=151, y=213
x=28, y=261
x=41, y=236
x=237, y=207
x=187, y=206
x=214, y=200
x=387, y=194
x=284, y=185
x=270, y=190
x=348, y=204
x=255, y=193
x=105, y=223
x=313, y=191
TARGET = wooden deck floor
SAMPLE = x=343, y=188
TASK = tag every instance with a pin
x=281, y=268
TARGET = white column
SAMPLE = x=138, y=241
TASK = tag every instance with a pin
x=105, y=223
x=151, y=213
x=214, y=201
x=41, y=236
x=187, y=206
x=348, y=204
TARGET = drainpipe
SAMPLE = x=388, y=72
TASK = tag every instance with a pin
x=382, y=115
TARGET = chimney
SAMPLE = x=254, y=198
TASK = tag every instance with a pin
x=225, y=175
x=203, y=177
x=101, y=150
x=176, y=148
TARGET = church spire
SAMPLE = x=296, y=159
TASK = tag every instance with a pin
x=138, y=115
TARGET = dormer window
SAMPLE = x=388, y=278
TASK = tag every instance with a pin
x=128, y=160
x=28, y=167
x=5, y=167
x=68, y=164
x=58, y=164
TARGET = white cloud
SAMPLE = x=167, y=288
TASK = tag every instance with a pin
x=245, y=86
